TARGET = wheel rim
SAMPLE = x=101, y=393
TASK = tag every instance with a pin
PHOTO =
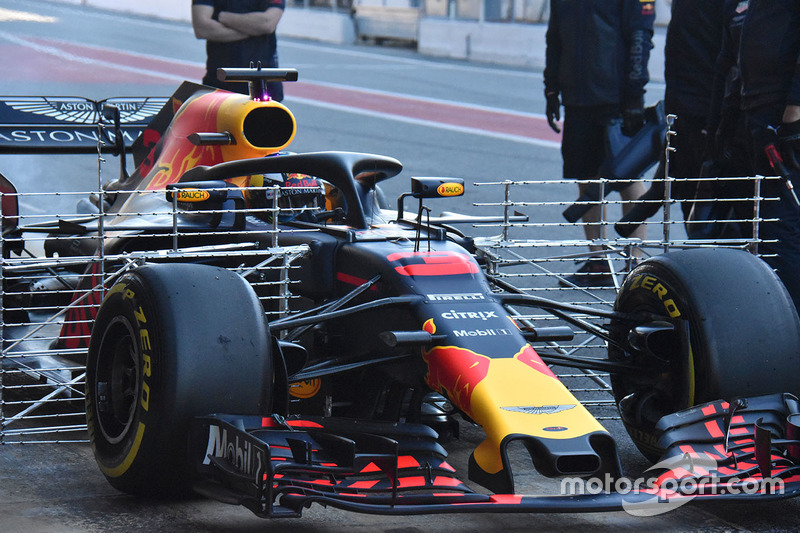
x=118, y=380
x=650, y=395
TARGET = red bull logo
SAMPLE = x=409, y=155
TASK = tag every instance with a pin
x=178, y=154
x=454, y=371
x=529, y=356
x=458, y=371
x=215, y=111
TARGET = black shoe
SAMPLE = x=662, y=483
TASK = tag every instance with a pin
x=593, y=273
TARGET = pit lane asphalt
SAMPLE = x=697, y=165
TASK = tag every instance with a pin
x=58, y=488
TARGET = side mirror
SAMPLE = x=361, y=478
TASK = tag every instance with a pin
x=222, y=201
x=431, y=188
x=205, y=194
x=436, y=187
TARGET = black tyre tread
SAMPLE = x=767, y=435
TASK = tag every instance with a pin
x=745, y=331
x=210, y=353
x=747, y=317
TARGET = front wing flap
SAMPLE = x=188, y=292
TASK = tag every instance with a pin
x=746, y=446
x=278, y=466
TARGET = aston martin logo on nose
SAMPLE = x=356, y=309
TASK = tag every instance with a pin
x=539, y=410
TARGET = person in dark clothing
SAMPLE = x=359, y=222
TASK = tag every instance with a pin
x=694, y=40
x=727, y=144
x=238, y=33
x=769, y=67
x=596, y=66
x=726, y=118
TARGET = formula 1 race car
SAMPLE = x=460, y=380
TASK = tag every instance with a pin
x=335, y=376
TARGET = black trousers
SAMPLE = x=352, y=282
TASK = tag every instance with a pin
x=784, y=254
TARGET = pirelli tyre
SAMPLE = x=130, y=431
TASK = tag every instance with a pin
x=741, y=336
x=171, y=342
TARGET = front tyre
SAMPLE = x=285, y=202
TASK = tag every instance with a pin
x=171, y=342
x=744, y=336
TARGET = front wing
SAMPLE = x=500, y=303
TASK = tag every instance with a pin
x=278, y=466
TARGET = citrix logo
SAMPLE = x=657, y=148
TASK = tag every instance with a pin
x=458, y=315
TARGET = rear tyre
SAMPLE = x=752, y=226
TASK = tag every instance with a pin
x=171, y=342
x=744, y=336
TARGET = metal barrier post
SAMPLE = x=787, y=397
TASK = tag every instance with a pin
x=601, y=222
x=275, y=209
x=101, y=246
x=506, y=205
x=756, y=213
x=668, y=182
x=175, y=222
